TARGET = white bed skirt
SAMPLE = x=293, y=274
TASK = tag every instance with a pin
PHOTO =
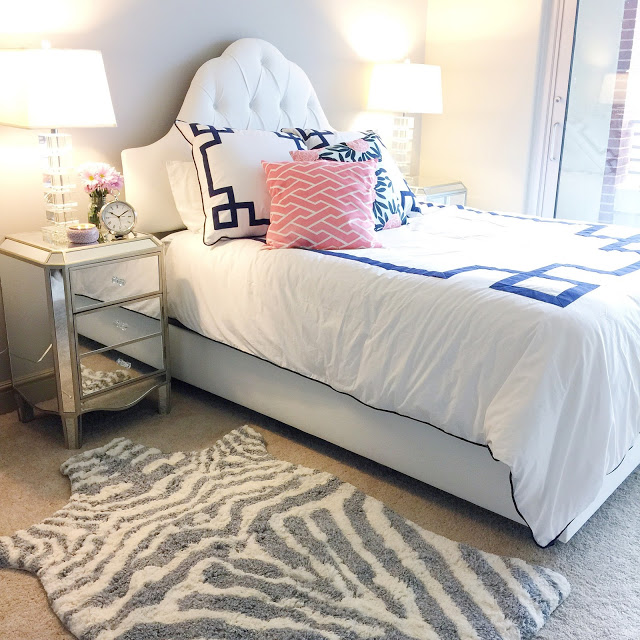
x=412, y=447
x=417, y=449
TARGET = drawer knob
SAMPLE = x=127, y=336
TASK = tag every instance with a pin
x=120, y=282
x=123, y=363
x=123, y=326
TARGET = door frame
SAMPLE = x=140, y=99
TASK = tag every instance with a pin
x=556, y=54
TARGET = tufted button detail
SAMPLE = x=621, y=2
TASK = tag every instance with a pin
x=264, y=91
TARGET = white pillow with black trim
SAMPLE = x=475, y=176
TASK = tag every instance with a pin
x=318, y=139
x=185, y=188
x=233, y=187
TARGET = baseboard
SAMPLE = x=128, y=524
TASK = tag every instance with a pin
x=7, y=402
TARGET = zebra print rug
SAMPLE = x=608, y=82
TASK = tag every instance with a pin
x=232, y=543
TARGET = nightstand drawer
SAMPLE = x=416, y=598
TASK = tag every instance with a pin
x=118, y=324
x=105, y=369
x=114, y=280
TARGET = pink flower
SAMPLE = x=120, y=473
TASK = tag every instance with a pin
x=89, y=174
x=393, y=222
x=114, y=181
x=305, y=155
x=100, y=175
x=358, y=145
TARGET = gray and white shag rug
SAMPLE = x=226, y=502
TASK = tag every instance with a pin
x=232, y=543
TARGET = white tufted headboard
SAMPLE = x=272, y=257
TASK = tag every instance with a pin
x=250, y=86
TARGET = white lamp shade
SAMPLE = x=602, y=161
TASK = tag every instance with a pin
x=54, y=89
x=406, y=88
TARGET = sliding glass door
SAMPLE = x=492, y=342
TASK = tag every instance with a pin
x=599, y=174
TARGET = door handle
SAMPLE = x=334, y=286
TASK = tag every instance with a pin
x=553, y=142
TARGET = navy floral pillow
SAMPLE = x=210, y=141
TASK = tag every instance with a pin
x=389, y=208
x=319, y=138
x=389, y=173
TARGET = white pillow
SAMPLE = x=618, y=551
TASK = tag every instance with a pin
x=234, y=196
x=186, y=193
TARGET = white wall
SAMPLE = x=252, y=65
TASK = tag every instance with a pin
x=152, y=48
x=489, y=56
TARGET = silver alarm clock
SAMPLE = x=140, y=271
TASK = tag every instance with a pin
x=118, y=217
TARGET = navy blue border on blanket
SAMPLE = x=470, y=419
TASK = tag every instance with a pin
x=591, y=230
x=508, y=285
x=512, y=283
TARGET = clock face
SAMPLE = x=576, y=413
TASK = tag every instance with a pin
x=118, y=217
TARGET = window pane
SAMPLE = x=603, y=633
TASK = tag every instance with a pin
x=600, y=168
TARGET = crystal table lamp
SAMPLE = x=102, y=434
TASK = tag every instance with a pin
x=405, y=88
x=55, y=89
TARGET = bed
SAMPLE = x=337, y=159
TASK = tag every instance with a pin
x=512, y=387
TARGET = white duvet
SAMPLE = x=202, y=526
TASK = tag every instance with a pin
x=516, y=333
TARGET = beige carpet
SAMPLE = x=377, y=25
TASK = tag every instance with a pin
x=602, y=561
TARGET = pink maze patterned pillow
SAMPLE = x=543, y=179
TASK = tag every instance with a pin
x=321, y=204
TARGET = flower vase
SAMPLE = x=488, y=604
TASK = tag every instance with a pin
x=98, y=200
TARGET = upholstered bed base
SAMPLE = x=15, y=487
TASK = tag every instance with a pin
x=415, y=448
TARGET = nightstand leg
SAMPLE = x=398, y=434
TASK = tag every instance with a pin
x=25, y=410
x=164, y=399
x=72, y=427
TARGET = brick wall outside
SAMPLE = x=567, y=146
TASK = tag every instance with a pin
x=620, y=130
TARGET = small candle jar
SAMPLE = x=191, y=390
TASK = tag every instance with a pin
x=83, y=233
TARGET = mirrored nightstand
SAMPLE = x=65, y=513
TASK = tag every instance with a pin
x=451, y=193
x=86, y=326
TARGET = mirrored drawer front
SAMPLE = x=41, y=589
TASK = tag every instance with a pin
x=106, y=369
x=111, y=326
x=114, y=280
